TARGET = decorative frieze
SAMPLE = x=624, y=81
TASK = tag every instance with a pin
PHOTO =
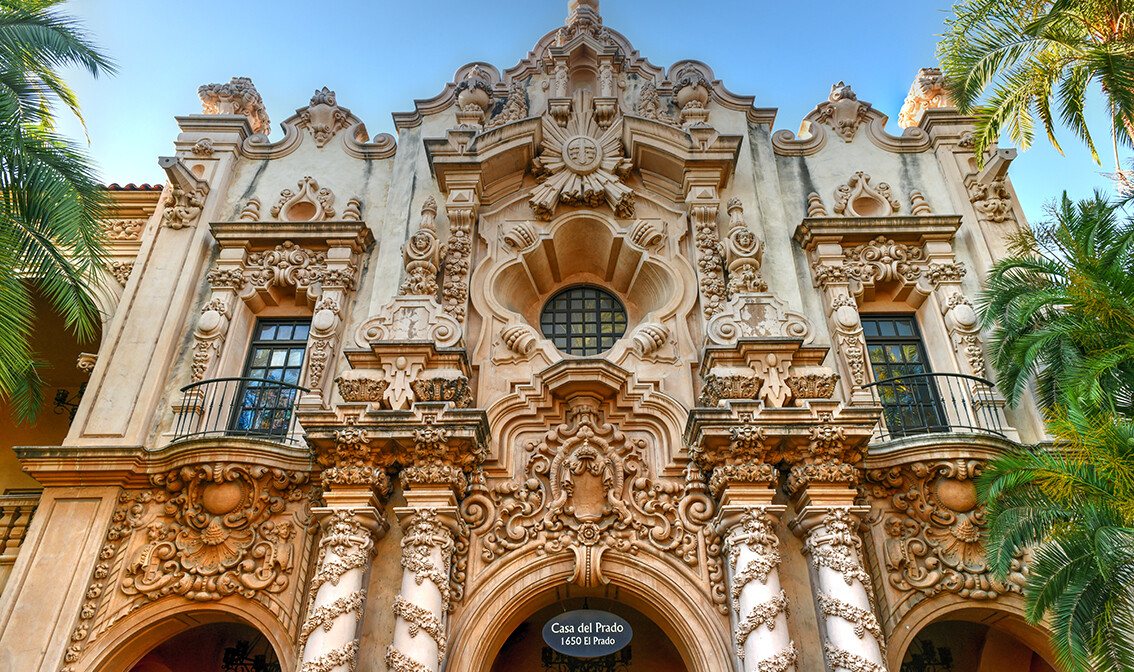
x=123, y=229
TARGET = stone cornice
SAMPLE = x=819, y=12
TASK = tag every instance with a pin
x=909, y=229
x=342, y=233
x=131, y=466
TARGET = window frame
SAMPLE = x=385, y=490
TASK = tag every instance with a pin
x=926, y=399
x=247, y=380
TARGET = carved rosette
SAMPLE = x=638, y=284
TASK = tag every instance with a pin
x=425, y=599
x=328, y=638
x=587, y=489
x=759, y=604
x=933, y=526
x=581, y=164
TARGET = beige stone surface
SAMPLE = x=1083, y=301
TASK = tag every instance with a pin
x=499, y=477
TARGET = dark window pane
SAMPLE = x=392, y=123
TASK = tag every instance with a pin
x=584, y=313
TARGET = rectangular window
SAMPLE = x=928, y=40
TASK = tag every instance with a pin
x=904, y=383
x=269, y=388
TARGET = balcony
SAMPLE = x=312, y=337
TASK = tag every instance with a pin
x=16, y=512
x=933, y=403
x=238, y=407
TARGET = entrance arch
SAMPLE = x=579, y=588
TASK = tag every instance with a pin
x=517, y=590
x=130, y=641
x=650, y=650
x=977, y=638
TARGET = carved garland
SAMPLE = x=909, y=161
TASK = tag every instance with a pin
x=425, y=534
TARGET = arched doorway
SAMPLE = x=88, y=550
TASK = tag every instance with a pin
x=650, y=650
x=977, y=642
x=213, y=647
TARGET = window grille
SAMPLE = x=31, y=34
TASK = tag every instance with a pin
x=583, y=321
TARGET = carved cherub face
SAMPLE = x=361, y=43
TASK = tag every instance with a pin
x=893, y=528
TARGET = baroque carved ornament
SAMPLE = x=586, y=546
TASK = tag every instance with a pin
x=239, y=96
x=202, y=533
x=933, y=527
x=843, y=111
x=586, y=488
x=581, y=164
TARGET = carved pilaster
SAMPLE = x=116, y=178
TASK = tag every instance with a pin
x=704, y=202
x=744, y=253
x=329, y=636
x=421, y=255
x=461, y=206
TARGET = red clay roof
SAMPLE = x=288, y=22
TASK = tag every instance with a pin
x=114, y=186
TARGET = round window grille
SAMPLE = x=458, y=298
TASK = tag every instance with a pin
x=583, y=321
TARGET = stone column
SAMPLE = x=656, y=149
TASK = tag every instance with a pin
x=352, y=522
x=852, y=636
x=329, y=637
x=759, y=605
x=422, y=605
x=431, y=524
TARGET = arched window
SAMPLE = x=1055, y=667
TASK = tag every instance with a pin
x=583, y=320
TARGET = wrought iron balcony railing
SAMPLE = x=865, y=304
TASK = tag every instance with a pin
x=244, y=407
x=928, y=403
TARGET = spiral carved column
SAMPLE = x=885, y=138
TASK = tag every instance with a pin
x=852, y=635
x=759, y=605
x=329, y=636
x=422, y=604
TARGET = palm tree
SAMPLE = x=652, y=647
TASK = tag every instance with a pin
x=1038, y=58
x=1062, y=308
x=51, y=242
x=1062, y=312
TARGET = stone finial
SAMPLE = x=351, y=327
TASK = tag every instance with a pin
x=583, y=9
x=926, y=92
x=239, y=96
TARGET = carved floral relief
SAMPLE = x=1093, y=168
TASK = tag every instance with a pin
x=581, y=164
x=932, y=527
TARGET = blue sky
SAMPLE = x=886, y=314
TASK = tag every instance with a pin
x=379, y=56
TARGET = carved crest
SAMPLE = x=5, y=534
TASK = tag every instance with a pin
x=587, y=488
x=933, y=525
x=843, y=111
x=581, y=164
x=323, y=117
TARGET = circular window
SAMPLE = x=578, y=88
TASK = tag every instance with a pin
x=583, y=320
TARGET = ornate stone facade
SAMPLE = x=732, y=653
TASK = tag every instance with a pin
x=439, y=455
